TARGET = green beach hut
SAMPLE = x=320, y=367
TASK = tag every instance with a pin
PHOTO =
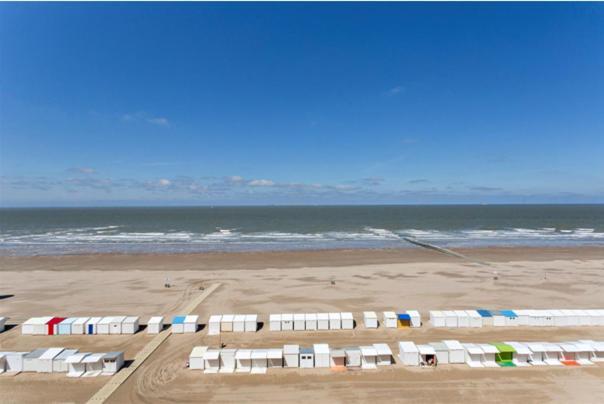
x=505, y=354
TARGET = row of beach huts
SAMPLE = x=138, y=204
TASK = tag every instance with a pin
x=312, y=321
x=513, y=318
x=497, y=354
x=62, y=360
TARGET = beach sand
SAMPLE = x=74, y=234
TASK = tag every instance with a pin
x=278, y=282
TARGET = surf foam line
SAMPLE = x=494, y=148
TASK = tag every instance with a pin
x=442, y=250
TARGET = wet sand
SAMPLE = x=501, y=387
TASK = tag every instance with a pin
x=266, y=283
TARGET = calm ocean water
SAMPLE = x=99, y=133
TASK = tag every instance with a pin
x=197, y=229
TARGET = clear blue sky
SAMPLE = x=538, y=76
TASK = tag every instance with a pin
x=151, y=104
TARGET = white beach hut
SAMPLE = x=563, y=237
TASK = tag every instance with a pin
x=335, y=322
x=75, y=365
x=523, y=317
x=473, y=355
x=45, y=360
x=274, y=322
x=214, y=324
x=102, y=327
x=347, y=320
x=251, y=322
x=243, y=358
x=13, y=362
x=584, y=317
x=537, y=353
x=416, y=318
x=569, y=351
x=211, y=361
x=64, y=327
x=353, y=357
x=226, y=323
x=78, y=327
x=389, y=319
x=227, y=360
x=30, y=361
x=437, y=318
x=548, y=318
x=427, y=355
x=456, y=351
x=321, y=355
x=239, y=323
x=115, y=327
x=155, y=325
x=307, y=358
x=58, y=362
x=287, y=322
x=522, y=356
x=384, y=354
x=552, y=354
x=196, y=360
x=572, y=319
x=368, y=357
x=299, y=322
x=408, y=353
x=311, y=321
x=475, y=318
x=450, y=319
x=597, y=349
x=259, y=361
x=463, y=318
x=370, y=319
x=442, y=352
x=274, y=357
x=584, y=353
x=322, y=321
x=94, y=364
x=130, y=325
x=178, y=324
x=91, y=325
x=291, y=356
x=2, y=324
x=35, y=326
x=191, y=323
x=337, y=359
x=489, y=353
x=112, y=362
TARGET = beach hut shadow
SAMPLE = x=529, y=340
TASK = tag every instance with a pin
x=260, y=325
x=2, y=297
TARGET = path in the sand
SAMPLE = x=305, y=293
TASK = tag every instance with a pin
x=120, y=377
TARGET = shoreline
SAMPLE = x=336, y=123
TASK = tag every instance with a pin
x=291, y=259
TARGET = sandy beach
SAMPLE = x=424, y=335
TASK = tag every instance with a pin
x=266, y=283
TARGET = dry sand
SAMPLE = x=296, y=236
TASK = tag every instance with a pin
x=301, y=282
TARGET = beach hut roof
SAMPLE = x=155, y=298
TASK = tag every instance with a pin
x=211, y=354
x=569, y=347
x=407, y=346
x=369, y=314
x=503, y=348
x=243, y=354
x=131, y=319
x=488, y=348
x=289, y=316
x=306, y=350
x=368, y=350
x=484, y=313
x=105, y=320
x=56, y=320
x=192, y=318
x=550, y=347
x=389, y=314
x=77, y=358
x=322, y=316
x=311, y=316
x=65, y=354
x=93, y=358
x=291, y=349
x=299, y=316
x=239, y=317
x=178, y=320
x=94, y=320
x=198, y=351
x=51, y=353
x=338, y=353
x=228, y=318
x=473, y=349
x=452, y=344
x=321, y=348
x=112, y=355
x=259, y=354
x=36, y=353
x=509, y=313
x=461, y=313
x=275, y=317
x=426, y=350
x=251, y=317
x=215, y=318
x=536, y=347
x=439, y=346
x=155, y=320
x=81, y=320
x=413, y=313
x=597, y=346
x=335, y=316
x=473, y=313
x=436, y=313
x=382, y=349
x=37, y=320
x=275, y=353
x=519, y=348
x=118, y=319
x=403, y=316
x=346, y=315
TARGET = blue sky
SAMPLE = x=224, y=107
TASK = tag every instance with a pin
x=153, y=104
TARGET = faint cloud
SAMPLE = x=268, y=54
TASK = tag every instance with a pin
x=395, y=90
x=261, y=183
x=484, y=189
x=81, y=170
x=142, y=116
x=409, y=140
x=159, y=121
x=164, y=182
x=372, y=181
x=418, y=181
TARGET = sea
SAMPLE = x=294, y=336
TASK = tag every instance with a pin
x=56, y=231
